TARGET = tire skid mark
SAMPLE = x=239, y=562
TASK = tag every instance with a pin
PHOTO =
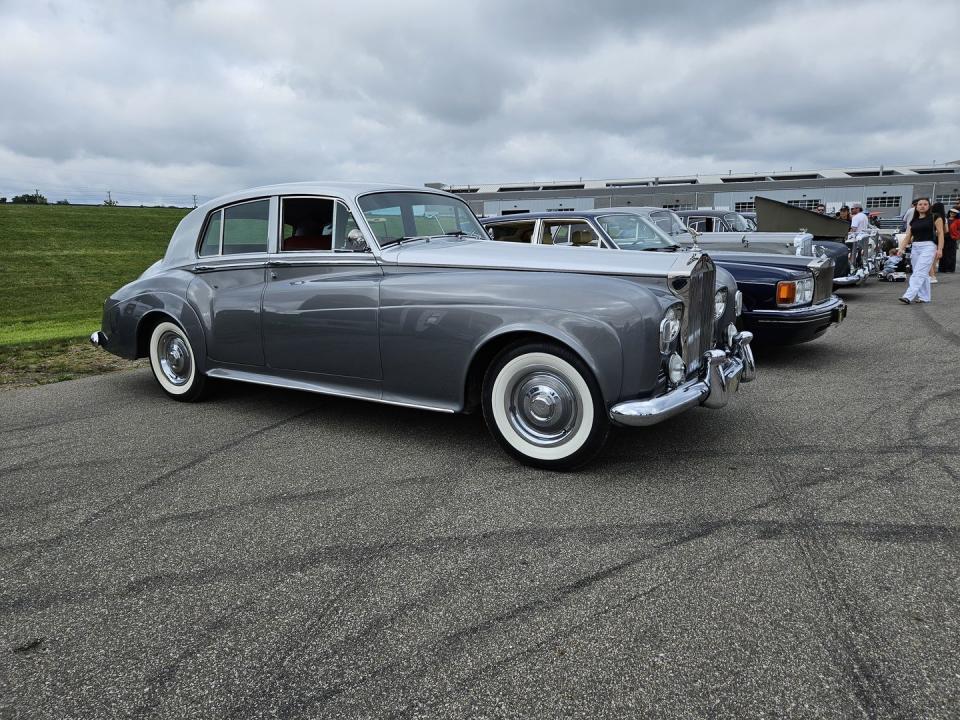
x=501, y=664
x=159, y=682
x=348, y=555
x=277, y=676
x=939, y=328
x=104, y=511
x=844, y=617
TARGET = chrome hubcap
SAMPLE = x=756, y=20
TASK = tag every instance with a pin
x=174, y=356
x=542, y=408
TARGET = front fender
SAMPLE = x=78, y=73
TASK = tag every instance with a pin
x=597, y=344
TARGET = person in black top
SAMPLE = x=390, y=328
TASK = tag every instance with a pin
x=925, y=235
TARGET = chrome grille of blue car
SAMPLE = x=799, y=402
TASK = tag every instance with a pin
x=823, y=283
x=700, y=313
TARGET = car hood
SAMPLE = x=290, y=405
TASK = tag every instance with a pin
x=470, y=253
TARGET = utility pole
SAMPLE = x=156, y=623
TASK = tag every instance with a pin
x=194, y=200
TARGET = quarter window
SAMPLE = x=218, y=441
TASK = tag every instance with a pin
x=564, y=232
x=518, y=232
x=245, y=227
x=211, y=239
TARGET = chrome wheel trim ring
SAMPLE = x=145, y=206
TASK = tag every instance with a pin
x=542, y=408
x=175, y=359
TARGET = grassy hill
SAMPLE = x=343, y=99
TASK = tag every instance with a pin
x=59, y=262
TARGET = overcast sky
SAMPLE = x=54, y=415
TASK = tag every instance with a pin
x=158, y=100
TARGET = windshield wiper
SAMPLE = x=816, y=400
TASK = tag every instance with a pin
x=410, y=238
x=458, y=233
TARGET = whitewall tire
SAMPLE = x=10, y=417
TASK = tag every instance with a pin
x=174, y=364
x=543, y=405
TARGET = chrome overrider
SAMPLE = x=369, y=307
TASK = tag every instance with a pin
x=720, y=376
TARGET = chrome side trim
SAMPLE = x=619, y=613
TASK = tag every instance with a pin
x=314, y=387
x=205, y=268
x=574, y=271
x=292, y=260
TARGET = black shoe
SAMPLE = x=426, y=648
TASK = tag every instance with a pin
x=903, y=300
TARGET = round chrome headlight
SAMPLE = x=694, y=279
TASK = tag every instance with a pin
x=676, y=369
x=719, y=303
x=670, y=327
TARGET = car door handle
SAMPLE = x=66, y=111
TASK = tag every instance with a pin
x=203, y=268
x=279, y=263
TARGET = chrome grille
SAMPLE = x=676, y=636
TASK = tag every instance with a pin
x=822, y=283
x=700, y=313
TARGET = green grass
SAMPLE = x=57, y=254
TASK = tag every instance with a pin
x=59, y=262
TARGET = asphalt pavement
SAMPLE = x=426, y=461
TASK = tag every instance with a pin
x=277, y=554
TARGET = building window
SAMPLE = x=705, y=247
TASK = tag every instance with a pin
x=679, y=206
x=883, y=201
x=569, y=209
x=749, y=206
x=806, y=204
x=948, y=199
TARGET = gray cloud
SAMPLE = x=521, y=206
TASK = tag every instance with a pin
x=160, y=100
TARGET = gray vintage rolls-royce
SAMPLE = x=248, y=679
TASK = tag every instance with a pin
x=397, y=295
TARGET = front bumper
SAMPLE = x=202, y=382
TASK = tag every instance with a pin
x=98, y=339
x=790, y=326
x=720, y=377
x=856, y=278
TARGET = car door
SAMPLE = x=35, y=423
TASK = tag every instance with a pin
x=230, y=272
x=321, y=299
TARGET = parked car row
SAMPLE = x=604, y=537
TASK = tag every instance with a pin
x=398, y=295
x=786, y=298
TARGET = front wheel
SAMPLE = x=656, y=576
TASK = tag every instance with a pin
x=544, y=406
x=174, y=364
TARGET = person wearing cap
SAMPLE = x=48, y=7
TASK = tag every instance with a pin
x=948, y=263
x=859, y=223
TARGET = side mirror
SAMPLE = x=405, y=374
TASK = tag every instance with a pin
x=356, y=242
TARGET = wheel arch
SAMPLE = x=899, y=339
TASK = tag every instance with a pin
x=182, y=314
x=494, y=344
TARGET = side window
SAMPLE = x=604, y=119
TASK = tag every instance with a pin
x=245, y=227
x=307, y=224
x=518, y=232
x=564, y=232
x=211, y=239
x=698, y=223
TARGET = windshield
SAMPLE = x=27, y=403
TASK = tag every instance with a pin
x=737, y=222
x=394, y=216
x=633, y=232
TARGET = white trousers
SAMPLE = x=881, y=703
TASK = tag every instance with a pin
x=921, y=258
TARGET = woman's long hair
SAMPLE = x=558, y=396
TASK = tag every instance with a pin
x=938, y=211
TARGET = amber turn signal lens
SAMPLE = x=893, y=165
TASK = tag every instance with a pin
x=786, y=292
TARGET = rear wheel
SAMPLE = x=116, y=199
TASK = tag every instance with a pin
x=174, y=364
x=543, y=405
